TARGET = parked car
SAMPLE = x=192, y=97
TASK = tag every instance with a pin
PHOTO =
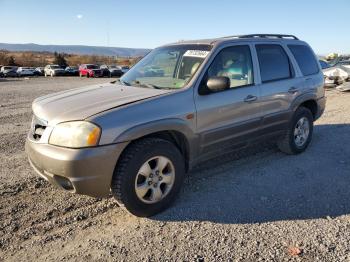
x=39, y=71
x=111, y=70
x=53, y=70
x=334, y=75
x=9, y=71
x=324, y=64
x=25, y=71
x=90, y=70
x=344, y=63
x=125, y=69
x=137, y=137
x=153, y=71
x=72, y=71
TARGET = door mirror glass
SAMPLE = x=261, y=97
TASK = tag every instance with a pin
x=218, y=83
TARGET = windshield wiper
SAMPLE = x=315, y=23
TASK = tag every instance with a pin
x=138, y=83
x=121, y=81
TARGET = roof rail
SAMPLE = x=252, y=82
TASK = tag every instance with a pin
x=263, y=36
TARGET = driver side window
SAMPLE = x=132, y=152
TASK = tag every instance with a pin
x=235, y=63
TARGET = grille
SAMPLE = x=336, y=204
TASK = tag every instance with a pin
x=38, y=127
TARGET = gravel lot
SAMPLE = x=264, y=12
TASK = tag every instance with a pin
x=253, y=205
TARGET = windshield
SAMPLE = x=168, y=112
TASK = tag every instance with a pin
x=92, y=67
x=167, y=67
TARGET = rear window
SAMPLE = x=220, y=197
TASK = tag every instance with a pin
x=305, y=59
x=274, y=63
x=92, y=67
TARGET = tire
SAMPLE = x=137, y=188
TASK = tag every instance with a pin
x=87, y=75
x=126, y=174
x=289, y=143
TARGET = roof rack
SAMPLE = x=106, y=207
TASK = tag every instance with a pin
x=263, y=36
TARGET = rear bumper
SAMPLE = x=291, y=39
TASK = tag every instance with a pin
x=83, y=171
x=321, y=105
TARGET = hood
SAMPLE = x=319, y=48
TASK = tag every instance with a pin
x=81, y=103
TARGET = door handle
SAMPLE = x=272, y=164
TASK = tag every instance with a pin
x=250, y=98
x=292, y=90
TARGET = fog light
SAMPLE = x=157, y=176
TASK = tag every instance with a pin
x=64, y=183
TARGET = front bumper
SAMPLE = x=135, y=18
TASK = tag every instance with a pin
x=85, y=171
x=59, y=73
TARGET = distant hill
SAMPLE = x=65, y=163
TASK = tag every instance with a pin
x=77, y=49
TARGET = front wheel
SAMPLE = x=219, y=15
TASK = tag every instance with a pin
x=299, y=133
x=148, y=176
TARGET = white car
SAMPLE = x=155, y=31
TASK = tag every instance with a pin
x=25, y=71
x=53, y=70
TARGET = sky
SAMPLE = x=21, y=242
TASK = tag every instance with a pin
x=323, y=24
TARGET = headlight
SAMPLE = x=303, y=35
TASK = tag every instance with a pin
x=75, y=134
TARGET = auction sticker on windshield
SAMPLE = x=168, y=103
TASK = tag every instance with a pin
x=196, y=53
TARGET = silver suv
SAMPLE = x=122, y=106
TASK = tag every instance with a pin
x=181, y=104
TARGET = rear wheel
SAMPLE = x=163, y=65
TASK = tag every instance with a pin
x=299, y=133
x=148, y=176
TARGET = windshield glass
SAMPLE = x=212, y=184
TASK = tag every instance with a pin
x=167, y=67
x=92, y=67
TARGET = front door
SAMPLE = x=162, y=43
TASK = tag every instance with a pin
x=230, y=117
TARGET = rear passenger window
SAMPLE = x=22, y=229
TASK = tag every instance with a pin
x=274, y=63
x=305, y=59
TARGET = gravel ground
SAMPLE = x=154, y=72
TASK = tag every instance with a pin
x=253, y=205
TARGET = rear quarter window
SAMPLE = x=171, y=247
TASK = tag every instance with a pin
x=305, y=59
x=274, y=63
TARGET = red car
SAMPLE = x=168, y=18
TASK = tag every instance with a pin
x=90, y=70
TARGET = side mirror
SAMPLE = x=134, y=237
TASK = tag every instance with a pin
x=218, y=83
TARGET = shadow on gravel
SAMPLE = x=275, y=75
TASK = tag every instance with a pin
x=263, y=185
x=9, y=79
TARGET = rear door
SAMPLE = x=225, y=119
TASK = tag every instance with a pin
x=228, y=117
x=279, y=85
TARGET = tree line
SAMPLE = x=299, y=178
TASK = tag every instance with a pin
x=39, y=59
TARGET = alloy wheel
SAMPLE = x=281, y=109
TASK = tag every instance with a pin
x=155, y=179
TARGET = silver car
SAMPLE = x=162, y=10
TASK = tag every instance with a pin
x=9, y=71
x=180, y=105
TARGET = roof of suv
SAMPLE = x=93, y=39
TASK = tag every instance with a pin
x=250, y=37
